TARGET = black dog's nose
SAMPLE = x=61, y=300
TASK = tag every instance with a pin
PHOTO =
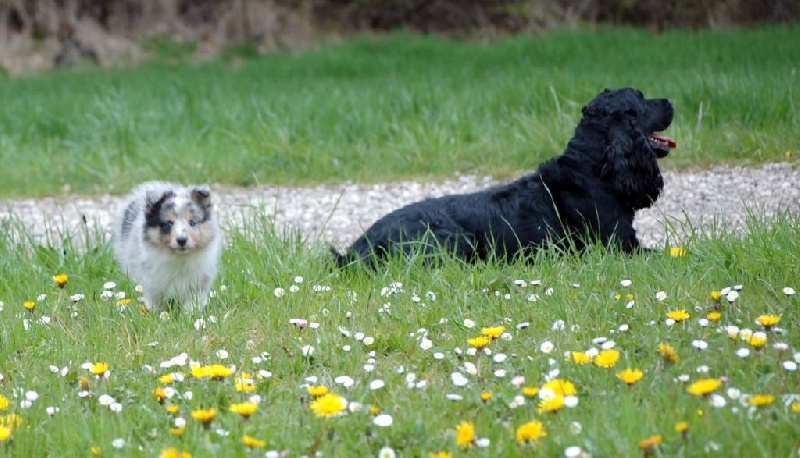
x=181, y=239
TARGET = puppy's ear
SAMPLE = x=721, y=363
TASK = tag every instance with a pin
x=155, y=197
x=202, y=195
x=631, y=166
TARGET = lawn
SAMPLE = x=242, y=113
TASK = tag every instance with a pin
x=527, y=358
x=389, y=108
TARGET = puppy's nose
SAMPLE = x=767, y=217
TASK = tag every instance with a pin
x=181, y=239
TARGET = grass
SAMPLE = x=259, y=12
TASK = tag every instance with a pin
x=389, y=108
x=370, y=329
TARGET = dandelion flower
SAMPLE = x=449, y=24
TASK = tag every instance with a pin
x=98, y=369
x=703, y=387
x=317, y=391
x=678, y=315
x=29, y=305
x=630, y=376
x=677, y=252
x=479, y=342
x=530, y=432
x=245, y=409
x=714, y=316
x=768, y=321
x=581, y=357
x=486, y=395
x=252, y=442
x=761, y=400
x=493, y=332
x=442, y=454
x=61, y=280
x=561, y=387
x=3, y=402
x=530, y=391
x=552, y=404
x=650, y=444
x=5, y=433
x=328, y=405
x=668, y=352
x=716, y=295
x=204, y=416
x=465, y=434
x=607, y=358
x=213, y=371
x=173, y=453
x=681, y=427
x=758, y=339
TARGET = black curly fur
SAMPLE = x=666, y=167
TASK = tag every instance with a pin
x=589, y=193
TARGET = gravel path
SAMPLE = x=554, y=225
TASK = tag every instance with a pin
x=338, y=213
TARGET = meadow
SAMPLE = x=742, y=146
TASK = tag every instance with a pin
x=692, y=351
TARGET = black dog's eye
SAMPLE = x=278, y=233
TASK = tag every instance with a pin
x=192, y=223
x=166, y=225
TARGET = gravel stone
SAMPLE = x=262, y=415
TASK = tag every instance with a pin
x=704, y=201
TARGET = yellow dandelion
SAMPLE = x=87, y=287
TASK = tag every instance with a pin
x=328, y=405
x=99, y=368
x=768, y=321
x=252, y=442
x=5, y=433
x=245, y=409
x=716, y=295
x=244, y=385
x=714, y=316
x=787, y=154
x=668, y=352
x=178, y=431
x=167, y=379
x=172, y=409
x=630, y=376
x=761, y=400
x=83, y=382
x=317, y=391
x=607, y=358
x=11, y=420
x=757, y=340
x=374, y=410
x=650, y=444
x=561, y=387
x=61, y=280
x=703, y=387
x=530, y=432
x=204, y=416
x=95, y=450
x=553, y=404
x=494, y=332
x=174, y=453
x=29, y=305
x=581, y=357
x=124, y=302
x=677, y=252
x=678, y=315
x=214, y=371
x=530, y=391
x=485, y=396
x=796, y=407
x=681, y=427
x=479, y=342
x=442, y=454
x=159, y=394
x=3, y=402
x=465, y=434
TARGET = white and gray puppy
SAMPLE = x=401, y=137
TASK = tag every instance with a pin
x=167, y=239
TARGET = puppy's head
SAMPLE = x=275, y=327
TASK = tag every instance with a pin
x=179, y=220
x=630, y=125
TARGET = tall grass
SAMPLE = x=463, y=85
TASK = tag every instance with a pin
x=392, y=107
x=580, y=304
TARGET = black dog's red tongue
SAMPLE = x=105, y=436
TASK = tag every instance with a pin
x=664, y=139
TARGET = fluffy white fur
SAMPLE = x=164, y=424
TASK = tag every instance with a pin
x=151, y=256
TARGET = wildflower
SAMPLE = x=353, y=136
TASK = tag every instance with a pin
x=760, y=400
x=465, y=434
x=252, y=442
x=387, y=452
x=607, y=358
x=678, y=315
x=546, y=347
x=650, y=444
x=328, y=405
x=714, y=316
x=486, y=395
x=551, y=404
x=530, y=432
x=442, y=454
x=703, y=387
x=581, y=357
x=530, y=391
x=494, y=332
x=479, y=342
x=173, y=453
x=204, y=416
x=61, y=280
x=758, y=339
x=98, y=369
x=159, y=394
x=307, y=350
x=630, y=376
x=178, y=430
x=245, y=409
x=668, y=352
x=213, y=371
x=383, y=420
x=317, y=391
x=788, y=290
x=716, y=295
x=661, y=296
x=768, y=321
x=560, y=387
x=3, y=402
x=29, y=305
x=172, y=409
x=677, y=252
x=682, y=428
x=469, y=323
x=5, y=433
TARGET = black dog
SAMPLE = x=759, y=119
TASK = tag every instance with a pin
x=590, y=193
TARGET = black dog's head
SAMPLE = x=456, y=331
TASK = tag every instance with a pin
x=629, y=125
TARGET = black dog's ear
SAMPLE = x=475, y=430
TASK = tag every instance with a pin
x=631, y=165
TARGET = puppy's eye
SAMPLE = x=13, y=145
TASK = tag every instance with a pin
x=192, y=223
x=166, y=225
